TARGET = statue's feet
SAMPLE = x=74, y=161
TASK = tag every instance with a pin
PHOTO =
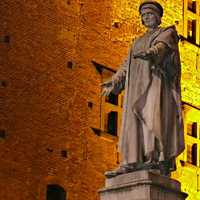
x=116, y=172
x=123, y=169
x=151, y=157
x=163, y=166
x=150, y=165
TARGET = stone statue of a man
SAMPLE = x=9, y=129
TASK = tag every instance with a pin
x=152, y=125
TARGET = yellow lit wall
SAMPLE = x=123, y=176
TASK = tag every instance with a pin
x=187, y=173
x=125, y=14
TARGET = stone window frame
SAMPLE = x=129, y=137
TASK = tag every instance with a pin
x=105, y=106
x=109, y=107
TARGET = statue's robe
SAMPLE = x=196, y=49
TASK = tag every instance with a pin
x=152, y=119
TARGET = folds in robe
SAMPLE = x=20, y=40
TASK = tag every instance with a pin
x=152, y=100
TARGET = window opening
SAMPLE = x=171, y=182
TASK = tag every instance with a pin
x=55, y=192
x=112, y=123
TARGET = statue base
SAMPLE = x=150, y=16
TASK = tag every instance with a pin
x=141, y=185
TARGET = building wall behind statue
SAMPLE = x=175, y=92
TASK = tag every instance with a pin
x=47, y=82
x=53, y=122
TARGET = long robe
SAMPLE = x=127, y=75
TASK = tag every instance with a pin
x=152, y=119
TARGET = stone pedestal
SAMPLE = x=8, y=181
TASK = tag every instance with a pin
x=141, y=185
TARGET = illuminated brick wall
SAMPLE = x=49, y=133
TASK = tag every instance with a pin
x=50, y=98
x=54, y=131
x=188, y=162
x=181, y=14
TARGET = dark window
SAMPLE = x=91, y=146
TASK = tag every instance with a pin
x=112, y=123
x=116, y=24
x=192, y=154
x=3, y=83
x=192, y=129
x=70, y=64
x=2, y=134
x=90, y=104
x=49, y=150
x=112, y=98
x=55, y=192
x=192, y=5
x=191, y=31
x=7, y=39
x=64, y=153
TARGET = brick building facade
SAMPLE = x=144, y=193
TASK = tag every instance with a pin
x=57, y=135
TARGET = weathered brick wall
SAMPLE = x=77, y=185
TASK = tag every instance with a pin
x=44, y=106
x=49, y=80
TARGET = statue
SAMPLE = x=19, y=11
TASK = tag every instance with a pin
x=152, y=126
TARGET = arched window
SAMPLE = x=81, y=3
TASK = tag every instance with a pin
x=55, y=192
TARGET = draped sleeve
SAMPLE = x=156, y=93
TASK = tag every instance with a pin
x=168, y=54
x=119, y=78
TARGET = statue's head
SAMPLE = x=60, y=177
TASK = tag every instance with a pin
x=151, y=13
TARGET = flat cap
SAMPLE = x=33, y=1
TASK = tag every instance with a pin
x=153, y=5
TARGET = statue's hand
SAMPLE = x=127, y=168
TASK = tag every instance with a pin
x=107, y=88
x=106, y=91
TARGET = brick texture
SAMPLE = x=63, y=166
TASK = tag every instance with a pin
x=44, y=104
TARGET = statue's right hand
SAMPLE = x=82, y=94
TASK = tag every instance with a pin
x=107, y=88
x=106, y=91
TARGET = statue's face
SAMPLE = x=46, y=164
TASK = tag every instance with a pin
x=149, y=18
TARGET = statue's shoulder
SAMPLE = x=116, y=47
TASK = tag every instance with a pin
x=169, y=29
x=169, y=32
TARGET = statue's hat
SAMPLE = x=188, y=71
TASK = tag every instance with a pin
x=152, y=5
